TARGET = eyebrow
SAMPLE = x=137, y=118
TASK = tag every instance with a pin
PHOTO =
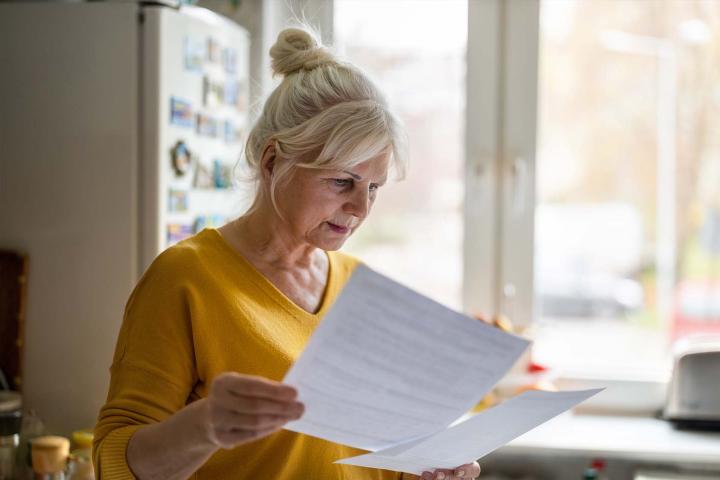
x=355, y=176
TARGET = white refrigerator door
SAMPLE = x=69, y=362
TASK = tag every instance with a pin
x=193, y=124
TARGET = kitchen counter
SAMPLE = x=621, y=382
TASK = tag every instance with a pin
x=623, y=437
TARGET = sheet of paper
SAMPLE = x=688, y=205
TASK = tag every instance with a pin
x=475, y=437
x=388, y=365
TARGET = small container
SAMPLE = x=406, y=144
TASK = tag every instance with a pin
x=10, y=423
x=81, y=466
x=49, y=457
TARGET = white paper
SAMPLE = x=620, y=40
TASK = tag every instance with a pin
x=475, y=437
x=388, y=365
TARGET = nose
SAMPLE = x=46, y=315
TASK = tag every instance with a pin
x=359, y=203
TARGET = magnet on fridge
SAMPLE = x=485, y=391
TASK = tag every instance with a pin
x=180, y=112
x=177, y=232
x=241, y=97
x=222, y=174
x=177, y=200
x=181, y=158
x=231, y=91
x=229, y=132
x=203, y=177
x=213, y=92
x=213, y=50
x=212, y=221
x=229, y=60
x=207, y=125
x=193, y=54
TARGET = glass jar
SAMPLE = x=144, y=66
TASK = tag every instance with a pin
x=10, y=422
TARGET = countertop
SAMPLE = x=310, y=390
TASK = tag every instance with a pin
x=637, y=438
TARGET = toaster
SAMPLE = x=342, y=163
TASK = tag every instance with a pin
x=693, y=400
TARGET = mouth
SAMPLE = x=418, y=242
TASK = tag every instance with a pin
x=338, y=228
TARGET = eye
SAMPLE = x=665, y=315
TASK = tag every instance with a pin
x=374, y=187
x=342, y=182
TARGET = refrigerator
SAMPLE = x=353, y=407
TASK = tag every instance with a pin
x=121, y=132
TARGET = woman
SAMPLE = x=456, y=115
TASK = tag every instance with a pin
x=218, y=319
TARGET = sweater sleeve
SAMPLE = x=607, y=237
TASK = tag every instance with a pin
x=153, y=369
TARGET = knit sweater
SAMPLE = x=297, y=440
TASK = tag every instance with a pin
x=199, y=310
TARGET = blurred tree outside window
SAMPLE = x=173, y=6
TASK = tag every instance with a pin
x=628, y=181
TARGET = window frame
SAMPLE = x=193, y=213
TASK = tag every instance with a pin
x=501, y=125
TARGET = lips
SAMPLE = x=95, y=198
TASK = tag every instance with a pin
x=338, y=228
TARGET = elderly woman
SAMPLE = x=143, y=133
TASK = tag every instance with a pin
x=219, y=318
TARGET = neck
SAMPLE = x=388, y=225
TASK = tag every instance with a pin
x=265, y=238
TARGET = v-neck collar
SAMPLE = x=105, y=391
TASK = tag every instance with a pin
x=275, y=293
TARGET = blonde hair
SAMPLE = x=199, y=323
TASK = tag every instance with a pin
x=324, y=114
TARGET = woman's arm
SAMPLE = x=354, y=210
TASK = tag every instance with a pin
x=173, y=448
x=239, y=409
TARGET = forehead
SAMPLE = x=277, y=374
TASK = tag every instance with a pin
x=376, y=167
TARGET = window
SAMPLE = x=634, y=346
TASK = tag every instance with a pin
x=574, y=188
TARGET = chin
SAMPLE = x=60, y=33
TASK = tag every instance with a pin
x=330, y=244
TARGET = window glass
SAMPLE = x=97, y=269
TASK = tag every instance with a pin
x=627, y=239
x=414, y=233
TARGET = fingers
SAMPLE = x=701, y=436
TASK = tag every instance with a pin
x=467, y=471
x=244, y=408
x=225, y=420
x=253, y=386
x=232, y=438
x=256, y=405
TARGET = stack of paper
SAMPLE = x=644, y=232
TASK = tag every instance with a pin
x=389, y=370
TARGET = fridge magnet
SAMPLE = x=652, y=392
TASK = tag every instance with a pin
x=181, y=158
x=177, y=200
x=229, y=132
x=213, y=92
x=180, y=112
x=193, y=54
x=222, y=174
x=177, y=232
x=241, y=97
x=229, y=60
x=203, y=177
x=207, y=125
x=231, y=91
x=213, y=50
x=209, y=221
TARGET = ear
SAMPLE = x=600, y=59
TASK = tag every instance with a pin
x=267, y=160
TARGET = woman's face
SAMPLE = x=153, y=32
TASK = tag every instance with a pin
x=324, y=207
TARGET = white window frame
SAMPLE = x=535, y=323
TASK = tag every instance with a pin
x=501, y=125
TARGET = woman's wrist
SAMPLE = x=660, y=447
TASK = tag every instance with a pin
x=173, y=448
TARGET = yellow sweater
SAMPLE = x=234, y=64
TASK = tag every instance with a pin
x=199, y=310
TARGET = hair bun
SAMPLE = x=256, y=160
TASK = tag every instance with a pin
x=297, y=49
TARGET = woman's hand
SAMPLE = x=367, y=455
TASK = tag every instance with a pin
x=243, y=408
x=463, y=472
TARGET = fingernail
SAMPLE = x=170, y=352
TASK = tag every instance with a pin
x=460, y=473
x=440, y=476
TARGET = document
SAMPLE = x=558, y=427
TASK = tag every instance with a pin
x=388, y=365
x=389, y=370
x=476, y=437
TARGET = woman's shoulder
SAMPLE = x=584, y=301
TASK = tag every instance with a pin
x=186, y=256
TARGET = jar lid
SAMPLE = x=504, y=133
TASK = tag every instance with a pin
x=10, y=401
x=83, y=438
x=51, y=442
